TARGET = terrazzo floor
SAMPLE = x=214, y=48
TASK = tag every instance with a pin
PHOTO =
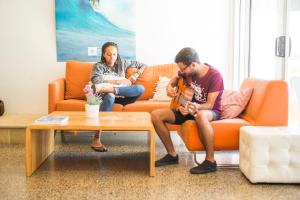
x=74, y=171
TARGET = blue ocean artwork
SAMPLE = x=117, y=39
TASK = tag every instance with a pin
x=81, y=24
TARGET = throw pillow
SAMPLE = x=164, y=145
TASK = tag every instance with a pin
x=77, y=76
x=234, y=102
x=160, y=93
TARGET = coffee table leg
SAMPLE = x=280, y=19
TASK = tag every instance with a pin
x=39, y=145
x=152, y=152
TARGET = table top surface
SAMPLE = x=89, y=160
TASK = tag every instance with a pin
x=106, y=121
x=17, y=120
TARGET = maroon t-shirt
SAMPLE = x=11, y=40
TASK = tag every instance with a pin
x=212, y=81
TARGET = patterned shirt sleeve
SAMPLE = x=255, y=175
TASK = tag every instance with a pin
x=134, y=64
x=97, y=73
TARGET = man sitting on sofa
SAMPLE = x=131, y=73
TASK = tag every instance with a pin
x=207, y=85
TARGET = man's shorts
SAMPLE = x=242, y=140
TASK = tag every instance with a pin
x=179, y=118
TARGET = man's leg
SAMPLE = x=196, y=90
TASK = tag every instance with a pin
x=206, y=135
x=159, y=118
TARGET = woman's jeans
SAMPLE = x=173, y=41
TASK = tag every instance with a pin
x=129, y=94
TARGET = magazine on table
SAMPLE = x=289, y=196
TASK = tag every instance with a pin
x=58, y=119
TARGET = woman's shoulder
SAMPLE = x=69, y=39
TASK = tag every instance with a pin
x=99, y=65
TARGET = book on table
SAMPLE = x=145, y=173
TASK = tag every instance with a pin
x=58, y=119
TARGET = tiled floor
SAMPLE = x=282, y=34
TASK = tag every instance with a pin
x=76, y=172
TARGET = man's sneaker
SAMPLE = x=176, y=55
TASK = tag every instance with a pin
x=167, y=160
x=205, y=167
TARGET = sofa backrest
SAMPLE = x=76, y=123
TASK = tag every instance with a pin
x=78, y=75
x=268, y=105
x=151, y=75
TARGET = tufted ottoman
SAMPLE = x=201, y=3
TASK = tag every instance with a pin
x=270, y=154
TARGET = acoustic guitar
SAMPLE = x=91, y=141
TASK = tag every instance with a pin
x=184, y=94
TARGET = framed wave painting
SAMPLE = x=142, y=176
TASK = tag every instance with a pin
x=83, y=26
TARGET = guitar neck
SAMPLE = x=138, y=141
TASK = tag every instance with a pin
x=181, y=100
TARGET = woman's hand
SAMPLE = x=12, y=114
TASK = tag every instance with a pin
x=126, y=82
x=183, y=110
x=171, y=92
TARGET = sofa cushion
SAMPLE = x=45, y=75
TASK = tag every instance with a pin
x=226, y=134
x=151, y=75
x=160, y=93
x=234, y=102
x=145, y=106
x=77, y=76
x=78, y=105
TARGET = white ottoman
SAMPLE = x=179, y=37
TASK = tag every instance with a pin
x=270, y=154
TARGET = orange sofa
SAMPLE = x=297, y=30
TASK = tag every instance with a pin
x=268, y=105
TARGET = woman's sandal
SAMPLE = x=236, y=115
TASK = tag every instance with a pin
x=99, y=149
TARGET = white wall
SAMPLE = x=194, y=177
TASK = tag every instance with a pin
x=166, y=26
x=28, y=54
x=28, y=44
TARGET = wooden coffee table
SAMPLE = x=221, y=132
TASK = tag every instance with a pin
x=40, y=138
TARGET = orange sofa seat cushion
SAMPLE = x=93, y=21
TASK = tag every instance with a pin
x=145, y=106
x=79, y=105
x=226, y=134
x=77, y=76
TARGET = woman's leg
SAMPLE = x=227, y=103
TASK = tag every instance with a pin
x=96, y=143
x=108, y=101
x=131, y=94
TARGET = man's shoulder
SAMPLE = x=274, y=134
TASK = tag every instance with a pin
x=214, y=71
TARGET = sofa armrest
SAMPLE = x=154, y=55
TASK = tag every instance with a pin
x=56, y=93
x=268, y=105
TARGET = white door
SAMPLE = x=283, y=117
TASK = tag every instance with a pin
x=267, y=24
x=293, y=62
x=275, y=46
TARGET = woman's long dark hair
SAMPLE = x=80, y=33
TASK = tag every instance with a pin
x=108, y=44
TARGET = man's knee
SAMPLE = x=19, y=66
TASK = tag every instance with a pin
x=155, y=116
x=201, y=116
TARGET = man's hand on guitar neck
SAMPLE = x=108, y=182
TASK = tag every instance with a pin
x=171, y=91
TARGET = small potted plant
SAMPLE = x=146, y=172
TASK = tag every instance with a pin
x=93, y=102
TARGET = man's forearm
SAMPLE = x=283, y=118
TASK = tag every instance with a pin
x=174, y=81
x=204, y=106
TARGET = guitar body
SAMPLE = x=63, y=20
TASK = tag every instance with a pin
x=184, y=93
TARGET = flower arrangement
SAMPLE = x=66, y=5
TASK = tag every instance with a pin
x=91, y=97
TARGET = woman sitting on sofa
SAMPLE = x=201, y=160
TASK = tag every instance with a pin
x=102, y=77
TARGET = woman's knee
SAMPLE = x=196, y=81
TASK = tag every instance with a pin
x=140, y=90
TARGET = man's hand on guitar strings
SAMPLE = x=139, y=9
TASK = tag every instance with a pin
x=191, y=107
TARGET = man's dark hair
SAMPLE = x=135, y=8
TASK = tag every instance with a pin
x=187, y=55
x=104, y=46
